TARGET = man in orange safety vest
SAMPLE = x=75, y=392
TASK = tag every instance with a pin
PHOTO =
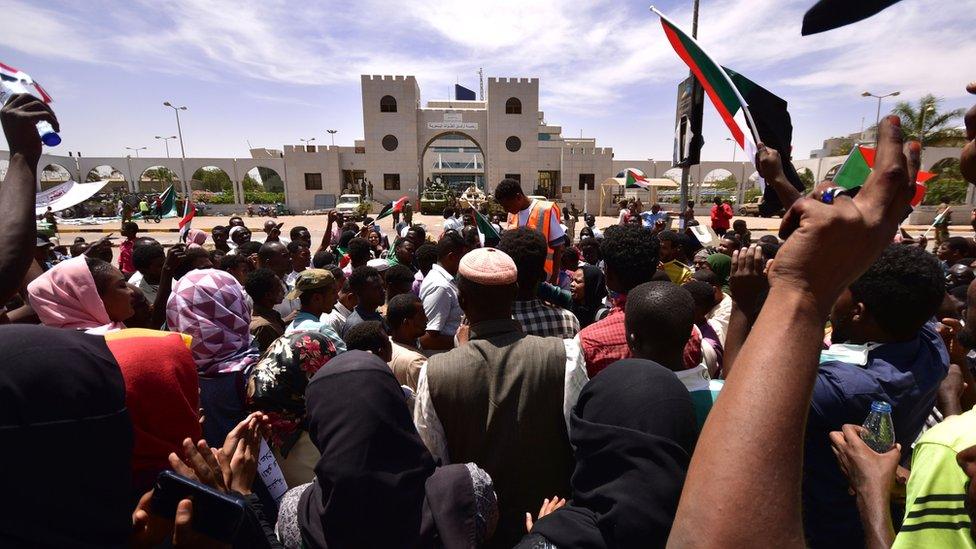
x=538, y=215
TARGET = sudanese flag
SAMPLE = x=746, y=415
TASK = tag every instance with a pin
x=393, y=207
x=826, y=15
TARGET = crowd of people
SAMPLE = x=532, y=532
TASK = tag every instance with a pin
x=630, y=386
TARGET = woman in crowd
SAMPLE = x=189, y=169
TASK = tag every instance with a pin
x=589, y=288
x=376, y=243
x=373, y=459
x=721, y=265
x=163, y=396
x=209, y=306
x=277, y=387
x=67, y=441
x=634, y=430
x=196, y=237
x=82, y=293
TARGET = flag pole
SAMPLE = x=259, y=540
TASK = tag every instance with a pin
x=934, y=221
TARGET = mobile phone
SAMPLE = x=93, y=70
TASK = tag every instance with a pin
x=215, y=514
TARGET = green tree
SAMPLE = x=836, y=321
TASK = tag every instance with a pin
x=159, y=174
x=213, y=180
x=726, y=183
x=843, y=149
x=806, y=177
x=947, y=186
x=935, y=128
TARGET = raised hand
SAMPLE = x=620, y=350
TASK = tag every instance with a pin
x=238, y=459
x=748, y=280
x=19, y=118
x=200, y=464
x=871, y=474
x=818, y=258
x=548, y=506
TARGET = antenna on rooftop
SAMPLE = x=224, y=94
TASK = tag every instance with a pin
x=481, y=84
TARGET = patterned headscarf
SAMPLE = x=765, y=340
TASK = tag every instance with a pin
x=209, y=305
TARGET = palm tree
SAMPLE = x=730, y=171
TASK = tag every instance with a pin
x=938, y=129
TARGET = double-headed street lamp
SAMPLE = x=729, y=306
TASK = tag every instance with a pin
x=166, y=142
x=306, y=141
x=136, y=149
x=179, y=132
x=877, y=122
x=332, y=134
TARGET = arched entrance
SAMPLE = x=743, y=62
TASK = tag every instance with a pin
x=115, y=177
x=212, y=185
x=157, y=179
x=718, y=182
x=455, y=159
x=263, y=186
x=53, y=175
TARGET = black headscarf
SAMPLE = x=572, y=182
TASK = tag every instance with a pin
x=66, y=435
x=594, y=290
x=376, y=484
x=634, y=430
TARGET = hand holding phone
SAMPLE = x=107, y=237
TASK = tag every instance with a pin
x=209, y=512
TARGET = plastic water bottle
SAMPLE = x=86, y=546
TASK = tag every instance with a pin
x=8, y=88
x=879, y=432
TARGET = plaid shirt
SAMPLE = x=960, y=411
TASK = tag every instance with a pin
x=605, y=342
x=543, y=320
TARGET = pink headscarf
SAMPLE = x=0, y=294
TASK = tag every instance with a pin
x=66, y=297
x=196, y=237
x=209, y=305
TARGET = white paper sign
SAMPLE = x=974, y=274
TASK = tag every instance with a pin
x=270, y=472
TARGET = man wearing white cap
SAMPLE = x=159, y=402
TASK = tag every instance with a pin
x=503, y=399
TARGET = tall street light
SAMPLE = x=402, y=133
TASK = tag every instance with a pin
x=179, y=131
x=136, y=149
x=734, y=147
x=332, y=134
x=877, y=122
x=166, y=142
x=306, y=141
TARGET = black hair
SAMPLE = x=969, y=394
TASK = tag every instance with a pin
x=631, y=252
x=268, y=250
x=660, y=276
x=232, y=218
x=472, y=239
x=451, y=241
x=143, y=256
x=571, y=253
x=708, y=277
x=129, y=226
x=99, y=271
x=218, y=228
x=249, y=248
x=323, y=258
x=399, y=274
x=367, y=336
x=769, y=238
x=769, y=250
x=359, y=250
x=901, y=290
x=260, y=283
x=528, y=250
x=670, y=236
x=419, y=230
x=79, y=248
x=702, y=293
x=400, y=308
x=732, y=237
x=231, y=261
x=448, y=212
x=192, y=255
x=293, y=233
x=359, y=277
x=958, y=244
x=660, y=312
x=426, y=255
x=345, y=238
x=589, y=241
x=507, y=189
x=144, y=241
x=337, y=272
x=296, y=245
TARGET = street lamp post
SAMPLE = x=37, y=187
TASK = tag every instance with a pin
x=136, y=149
x=179, y=132
x=306, y=141
x=166, y=142
x=332, y=134
x=877, y=122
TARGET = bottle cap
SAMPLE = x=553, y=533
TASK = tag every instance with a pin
x=881, y=406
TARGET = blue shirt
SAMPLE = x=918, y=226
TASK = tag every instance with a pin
x=906, y=375
x=650, y=218
x=307, y=322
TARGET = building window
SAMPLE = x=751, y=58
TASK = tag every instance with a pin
x=388, y=104
x=545, y=136
x=513, y=106
x=390, y=142
x=391, y=182
x=313, y=182
x=586, y=181
x=513, y=144
x=515, y=176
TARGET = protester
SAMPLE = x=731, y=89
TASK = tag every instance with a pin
x=300, y=260
x=721, y=265
x=440, y=294
x=129, y=231
x=208, y=305
x=372, y=456
x=672, y=257
x=238, y=265
x=82, y=293
x=399, y=280
x=370, y=336
x=570, y=264
x=403, y=254
x=704, y=303
x=323, y=258
x=148, y=260
x=589, y=288
x=407, y=321
x=368, y=286
x=265, y=291
x=744, y=234
x=272, y=231
x=300, y=233
x=196, y=237
x=316, y=291
x=375, y=243
x=535, y=215
x=952, y=250
x=346, y=301
x=239, y=234
x=502, y=381
x=276, y=386
x=425, y=257
x=219, y=236
x=633, y=430
x=721, y=216
x=528, y=250
x=275, y=257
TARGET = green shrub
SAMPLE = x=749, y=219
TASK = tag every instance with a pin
x=261, y=197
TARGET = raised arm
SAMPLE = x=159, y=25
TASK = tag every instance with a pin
x=749, y=286
x=771, y=169
x=327, y=237
x=760, y=418
x=19, y=118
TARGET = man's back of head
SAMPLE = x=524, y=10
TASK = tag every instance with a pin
x=369, y=336
x=528, y=250
x=630, y=254
x=658, y=319
x=509, y=194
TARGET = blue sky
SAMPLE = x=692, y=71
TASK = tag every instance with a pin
x=272, y=72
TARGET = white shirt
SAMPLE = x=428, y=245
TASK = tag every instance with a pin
x=718, y=318
x=432, y=431
x=556, y=230
x=440, y=296
x=336, y=319
x=287, y=306
x=453, y=223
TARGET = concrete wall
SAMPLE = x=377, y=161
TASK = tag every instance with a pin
x=500, y=161
x=300, y=160
x=401, y=124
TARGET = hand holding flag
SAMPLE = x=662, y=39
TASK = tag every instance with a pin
x=188, y=212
